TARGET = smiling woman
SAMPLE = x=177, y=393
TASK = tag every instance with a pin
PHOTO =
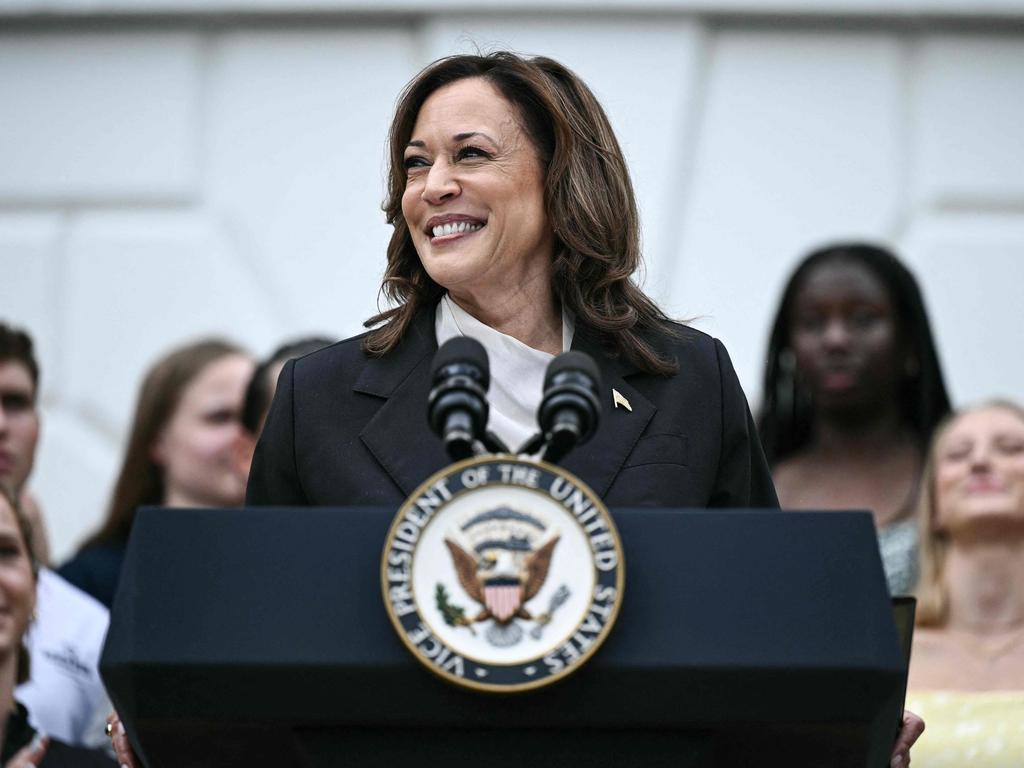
x=474, y=205
x=543, y=171
x=514, y=222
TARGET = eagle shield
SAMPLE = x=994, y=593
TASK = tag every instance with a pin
x=506, y=563
x=502, y=596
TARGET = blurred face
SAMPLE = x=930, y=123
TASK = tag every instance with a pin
x=19, y=424
x=474, y=198
x=196, y=448
x=980, y=469
x=17, y=584
x=845, y=337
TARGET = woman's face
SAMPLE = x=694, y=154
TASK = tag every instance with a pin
x=845, y=336
x=196, y=448
x=17, y=583
x=979, y=469
x=474, y=198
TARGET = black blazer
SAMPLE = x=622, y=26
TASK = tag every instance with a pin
x=346, y=429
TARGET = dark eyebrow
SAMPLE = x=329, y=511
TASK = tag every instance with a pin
x=471, y=134
x=456, y=137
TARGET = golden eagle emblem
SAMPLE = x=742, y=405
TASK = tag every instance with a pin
x=504, y=567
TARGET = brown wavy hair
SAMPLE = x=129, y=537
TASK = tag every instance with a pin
x=932, y=598
x=141, y=480
x=588, y=198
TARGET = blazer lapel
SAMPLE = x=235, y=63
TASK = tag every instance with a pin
x=599, y=461
x=400, y=439
x=398, y=435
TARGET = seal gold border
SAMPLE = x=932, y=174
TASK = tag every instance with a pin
x=459, y=466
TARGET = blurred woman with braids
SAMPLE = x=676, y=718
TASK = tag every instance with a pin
x=852, y=393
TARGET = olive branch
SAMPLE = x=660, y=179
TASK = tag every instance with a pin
x=453, y=615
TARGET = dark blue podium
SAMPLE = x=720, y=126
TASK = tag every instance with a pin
x=256, y=637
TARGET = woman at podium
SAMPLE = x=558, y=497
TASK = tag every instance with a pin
x=514, y=223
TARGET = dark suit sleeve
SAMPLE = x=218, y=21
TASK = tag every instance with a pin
x=744, y=479
x=273, y=477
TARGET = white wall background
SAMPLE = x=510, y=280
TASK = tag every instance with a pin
x=175, y=169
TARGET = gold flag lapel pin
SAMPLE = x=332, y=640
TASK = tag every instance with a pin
x=618, y=399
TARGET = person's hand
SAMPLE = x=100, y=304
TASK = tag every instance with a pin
x=29, y=756
x=122, y=749
x=910, y=731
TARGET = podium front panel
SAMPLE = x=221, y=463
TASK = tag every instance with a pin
x=270, y=621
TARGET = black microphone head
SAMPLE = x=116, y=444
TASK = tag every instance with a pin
x=572, y=361
x=571, y=407
x=465, y=353
x=457, y=408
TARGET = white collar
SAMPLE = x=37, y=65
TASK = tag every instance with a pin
x=452, y=320
x=517, y=371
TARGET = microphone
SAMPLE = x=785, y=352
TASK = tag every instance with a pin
x=457, y=404
x=570, y=409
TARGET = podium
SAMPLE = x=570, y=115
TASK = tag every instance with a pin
x=253, y=637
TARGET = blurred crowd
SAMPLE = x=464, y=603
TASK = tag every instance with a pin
x=854, y=414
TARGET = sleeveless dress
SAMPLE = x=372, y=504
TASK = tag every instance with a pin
x=983, y=729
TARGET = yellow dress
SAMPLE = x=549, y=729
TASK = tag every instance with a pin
x=979, y=729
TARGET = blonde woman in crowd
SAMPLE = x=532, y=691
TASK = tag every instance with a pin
x=20, y=745
x=967, y=665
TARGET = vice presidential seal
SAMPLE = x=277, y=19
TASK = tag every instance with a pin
x=502, y=574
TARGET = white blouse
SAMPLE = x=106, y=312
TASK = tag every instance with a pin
x=517, y=371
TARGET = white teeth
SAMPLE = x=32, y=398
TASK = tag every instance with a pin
x=455, y=227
